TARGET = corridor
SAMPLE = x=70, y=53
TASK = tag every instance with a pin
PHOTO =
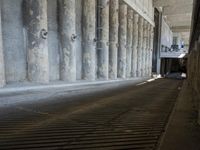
x=99, y=74
x=128, y=117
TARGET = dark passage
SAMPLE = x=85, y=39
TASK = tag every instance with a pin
x=131, y=117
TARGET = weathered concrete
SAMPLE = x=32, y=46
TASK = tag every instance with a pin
x=113, y=37
x=79, y=39
x=147, y=50
x=183, y=125
x=151, y=48
x=144, y=48
x=2, y=67
x=89, y=44
x=149, y=61
x=67, y=33
x=103, y=39
x=53, y=40
x=135, y=45
x=14, y=40
x=129, y=42
x=140, y=42
x=38, y=64
x=122, y=40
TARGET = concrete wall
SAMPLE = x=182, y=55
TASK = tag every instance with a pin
x=145, y=6
x=193, y=74
x=53, y=42
x=166, y=34
x=16, y=44
x=14, y=40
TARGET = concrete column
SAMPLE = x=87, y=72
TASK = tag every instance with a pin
x=122, y=40
x=144, y=48
x=149, y=61
x=67, y=26
x=135, y=45
x=113, y=37
x=151, y=48
x=2, y=67
x=103, y=39
x=89, y=44
x=38, y=63
x=129, y=42
x=140, y=42
x=147, y=50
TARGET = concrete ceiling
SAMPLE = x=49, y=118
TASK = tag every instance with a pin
x=177, y=14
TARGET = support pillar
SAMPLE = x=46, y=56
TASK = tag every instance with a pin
x=103, y=39
x=149, y=61
x=38, y=63
x=89, y=42
x=140, y=42
x=68, y=37
x=144, y=49
x=2, y=67
x=151, y=48
x=135, y=45
x=122, y=40
x=113, y=37
x=129, y=42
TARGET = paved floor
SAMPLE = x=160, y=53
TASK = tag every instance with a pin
x=130, y=117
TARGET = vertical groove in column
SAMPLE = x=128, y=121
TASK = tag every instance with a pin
x=38, y=63
x=103, y=39
x=113, y=38
x=67, y=20
x=140, y=42
x=144, y=48
x=89, y=44
x=151, y=47
x=129, y=42
x=2, y=66
x=122, y=40
x=135, y=45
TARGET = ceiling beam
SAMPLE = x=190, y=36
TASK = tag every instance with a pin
x=181, y=28
x=179, y=23
x=177, y=9
x=162, y=3
x=180, y=17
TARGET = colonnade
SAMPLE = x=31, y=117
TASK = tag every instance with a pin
x=119, y=45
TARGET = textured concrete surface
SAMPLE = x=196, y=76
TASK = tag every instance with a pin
x=122, y=40
x=140, y=44
x=126, y=117
x=2, y=65
x=13, y=40
x=135, y=45
x=30, y=58
x=129, y=42
x=144, y=47
x=37, y=34
x=89, y=40
x=183, y=132
x=53, y=40
x=151, y=47
x=103, y=39
x=113, y=37
x=194, y=71
x=67, y=18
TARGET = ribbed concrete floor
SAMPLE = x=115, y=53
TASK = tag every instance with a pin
x=132, y=117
